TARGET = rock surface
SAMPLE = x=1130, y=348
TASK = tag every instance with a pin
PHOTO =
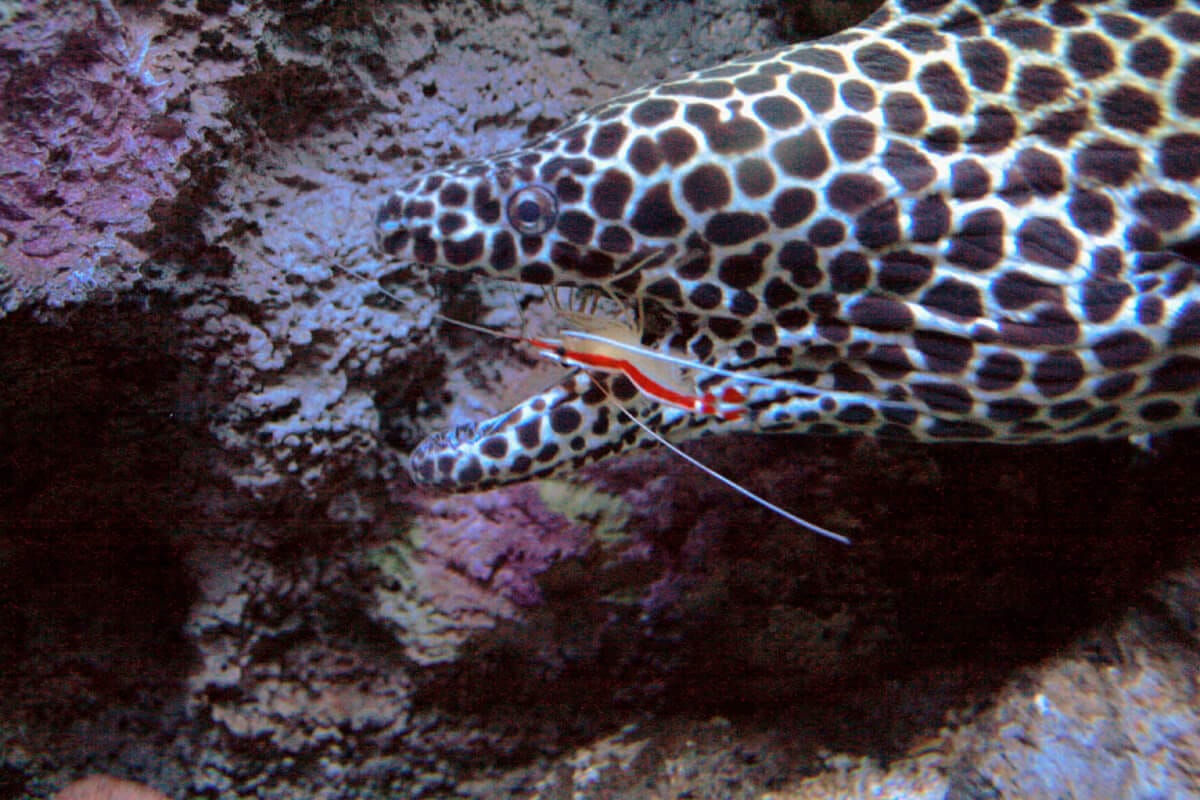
x=215, y=579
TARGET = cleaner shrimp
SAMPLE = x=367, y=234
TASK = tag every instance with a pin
x=612, y=344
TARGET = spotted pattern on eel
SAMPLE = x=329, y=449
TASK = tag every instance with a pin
x=960, y=220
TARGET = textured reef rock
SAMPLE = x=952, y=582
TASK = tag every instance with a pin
x=216, y=581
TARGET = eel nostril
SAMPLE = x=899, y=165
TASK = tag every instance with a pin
x=391, y=226
x=391, y=229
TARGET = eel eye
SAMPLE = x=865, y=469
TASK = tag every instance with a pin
x=532, y=210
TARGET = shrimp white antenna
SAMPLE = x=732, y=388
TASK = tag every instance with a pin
x=762, y=501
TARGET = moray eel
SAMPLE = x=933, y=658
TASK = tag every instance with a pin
x=961, y=220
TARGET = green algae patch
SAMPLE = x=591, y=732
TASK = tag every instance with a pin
x=606, y=515
x=394, y=559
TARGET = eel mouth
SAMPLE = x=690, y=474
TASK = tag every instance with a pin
x=579, y=421
x=576, y=420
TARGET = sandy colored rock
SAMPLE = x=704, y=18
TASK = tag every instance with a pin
x=103, y=787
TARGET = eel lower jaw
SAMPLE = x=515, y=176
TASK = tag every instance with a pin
x=568, y=425
x=513, y=446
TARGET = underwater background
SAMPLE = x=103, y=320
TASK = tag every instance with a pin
x=217, y=581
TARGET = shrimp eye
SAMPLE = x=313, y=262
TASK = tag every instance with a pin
x=532, y=210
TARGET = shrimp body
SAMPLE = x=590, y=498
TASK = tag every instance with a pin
x=611, y=346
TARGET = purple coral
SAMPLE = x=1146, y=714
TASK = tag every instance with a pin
x=88, y=151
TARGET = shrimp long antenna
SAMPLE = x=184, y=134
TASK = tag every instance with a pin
x=732, y=484
x=479, y=328
x=460, y=323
